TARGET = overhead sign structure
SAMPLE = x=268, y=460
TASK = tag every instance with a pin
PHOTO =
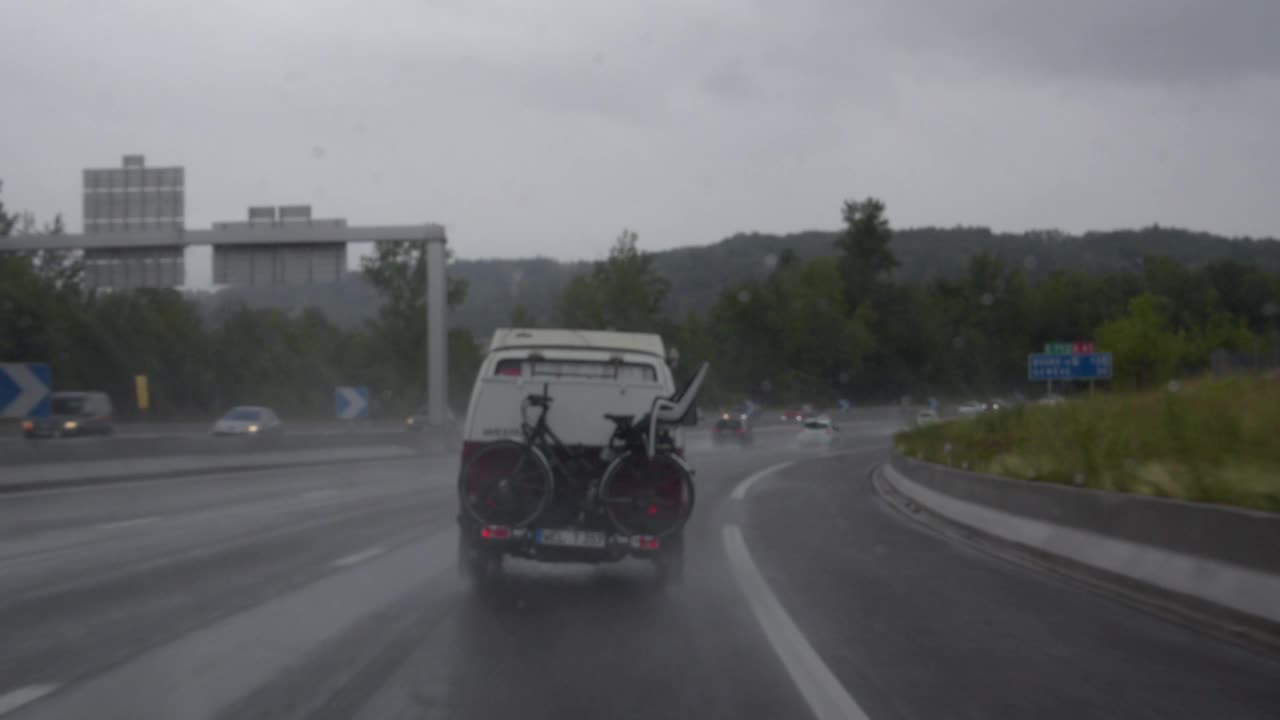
x=351, y=402
x=1081, y=366
x=25, y=390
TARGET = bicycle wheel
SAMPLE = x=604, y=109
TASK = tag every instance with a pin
x=506, y=483
x=643, y=496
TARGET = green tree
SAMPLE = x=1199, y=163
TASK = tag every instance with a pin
x=1145, y=348
x=622, y=292
x=866, y=258
x=521, y=317
x=397, y=271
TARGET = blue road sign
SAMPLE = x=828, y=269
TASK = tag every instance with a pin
x=25, y=390
x=351, y=402
x=1083, y=366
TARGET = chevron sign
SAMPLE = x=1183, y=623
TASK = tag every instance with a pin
x=25, y=389
x=351, y=402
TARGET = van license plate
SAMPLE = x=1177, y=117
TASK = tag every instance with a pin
x=571, y=538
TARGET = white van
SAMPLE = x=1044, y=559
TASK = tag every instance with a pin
x=567, y=492
x=589, y=373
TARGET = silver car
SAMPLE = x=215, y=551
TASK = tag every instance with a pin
x=248, y=420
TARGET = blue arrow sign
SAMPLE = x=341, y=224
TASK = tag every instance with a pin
x=351, y=402
x=1083, y=366
x=25, y=390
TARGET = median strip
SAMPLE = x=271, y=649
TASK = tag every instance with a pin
x=26, y=478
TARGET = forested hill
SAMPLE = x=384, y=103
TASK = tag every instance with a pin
x=699, y=274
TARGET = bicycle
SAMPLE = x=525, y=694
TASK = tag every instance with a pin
x=646, y=489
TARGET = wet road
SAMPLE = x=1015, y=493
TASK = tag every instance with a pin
x=332, y=593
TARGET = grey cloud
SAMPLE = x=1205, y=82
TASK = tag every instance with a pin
x=1125, y=41
x=552, y=124
x=729, y=82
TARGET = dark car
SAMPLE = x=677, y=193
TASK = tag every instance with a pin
x=732, y=429
x=73, y=414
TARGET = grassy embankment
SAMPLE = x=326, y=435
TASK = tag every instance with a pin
x=1215, y=441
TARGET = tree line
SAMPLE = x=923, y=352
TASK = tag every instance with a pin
x=199, y=361
x=846, y=326
x=815, y=327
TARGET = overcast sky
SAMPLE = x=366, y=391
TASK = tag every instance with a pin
x=546, y=127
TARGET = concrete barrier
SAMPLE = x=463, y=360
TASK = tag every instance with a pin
x=77, y=473
x=1227, y=558
x=18, y=451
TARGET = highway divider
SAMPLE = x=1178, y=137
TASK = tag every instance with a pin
x=1212, y=560
x=24, y=478
x=65, y=463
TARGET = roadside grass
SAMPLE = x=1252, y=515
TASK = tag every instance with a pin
x=1214, y=441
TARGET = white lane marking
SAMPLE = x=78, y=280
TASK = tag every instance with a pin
x=826, y=697
x=745, y=486
x=357, y=558
x=126, y=523
x=11, y=701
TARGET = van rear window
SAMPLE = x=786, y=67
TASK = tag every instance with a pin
x=578, y=369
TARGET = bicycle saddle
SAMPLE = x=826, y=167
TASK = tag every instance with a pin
x=622, y=421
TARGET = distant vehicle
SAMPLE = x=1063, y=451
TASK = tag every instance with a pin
x=248, y=420
x=793, y=415
x=1051, y=400
x=732, y=429
x=72, y=414
x=416, y=420
x=421, y=418
x=971, y=408
x=816, y=432
x=927, y=416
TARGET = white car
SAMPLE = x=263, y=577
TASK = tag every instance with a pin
x=971, y=408
x=926, y=416
x=248, y=420
x=1051, y=400
x=816, y=432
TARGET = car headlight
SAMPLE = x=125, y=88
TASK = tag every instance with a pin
x=408, y=421
x=253, y=428
x=69, y=425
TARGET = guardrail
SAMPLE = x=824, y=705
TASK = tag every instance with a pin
x=35, y=465
x=1213, y=557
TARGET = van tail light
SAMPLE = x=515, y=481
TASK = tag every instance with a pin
x=495, y=532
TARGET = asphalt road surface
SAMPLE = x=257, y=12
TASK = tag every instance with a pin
x=332, y=593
